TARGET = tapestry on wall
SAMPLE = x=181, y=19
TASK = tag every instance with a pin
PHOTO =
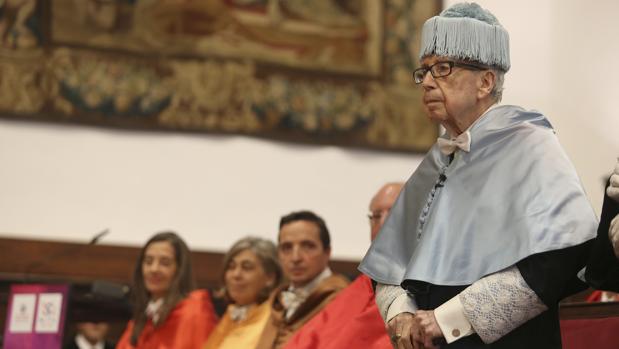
x=310, y=71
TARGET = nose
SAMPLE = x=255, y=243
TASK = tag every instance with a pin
x=153, y=267
x=428, y=81
x=236, y=272
x=296, y=254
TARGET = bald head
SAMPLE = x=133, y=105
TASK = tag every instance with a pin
x=381, y=204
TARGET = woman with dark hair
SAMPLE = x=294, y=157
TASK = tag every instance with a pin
x=251, y=272
x=167, y=312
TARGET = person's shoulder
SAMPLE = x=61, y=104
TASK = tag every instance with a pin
x=360, y=286
x=195, y=302
x=505, y=121
x=336, y=281
x=362, y=282
x=199, y=295
x=524, y=117
x=196, y=309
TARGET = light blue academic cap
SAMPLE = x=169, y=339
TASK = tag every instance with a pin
x=466, y=31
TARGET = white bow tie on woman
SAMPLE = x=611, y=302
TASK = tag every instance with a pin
x=449, y=146
x=153, y=308
x=238, y=312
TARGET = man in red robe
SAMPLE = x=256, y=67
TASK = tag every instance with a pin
x=352, y=319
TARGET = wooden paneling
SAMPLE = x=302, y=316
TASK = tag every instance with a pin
x=30, y=259
x=36, y=259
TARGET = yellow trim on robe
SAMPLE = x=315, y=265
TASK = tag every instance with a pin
x=243, y=334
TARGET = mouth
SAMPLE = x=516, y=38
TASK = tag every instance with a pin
x=154, y=280
x=431, y=100
x=296, y=271
x=237, y=287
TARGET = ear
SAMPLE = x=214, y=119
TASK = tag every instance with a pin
x=487, y=81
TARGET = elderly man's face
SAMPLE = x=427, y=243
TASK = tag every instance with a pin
x=381, y=205
x=450, y=98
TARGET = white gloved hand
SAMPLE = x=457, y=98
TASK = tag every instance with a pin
x=613, y=234
x=613, y=189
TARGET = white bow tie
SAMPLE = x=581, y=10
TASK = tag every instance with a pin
x=448, y=146
x=292, y=299
x=238, y=313
x=152, y=309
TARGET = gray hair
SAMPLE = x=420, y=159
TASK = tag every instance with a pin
x=266, y=252
x=497, y=90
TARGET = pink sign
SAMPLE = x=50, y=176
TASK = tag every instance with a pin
x=36, y=316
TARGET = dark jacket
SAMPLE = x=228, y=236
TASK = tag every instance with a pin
x=603, y=266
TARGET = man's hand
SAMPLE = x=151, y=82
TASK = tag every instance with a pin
x=430, y=331
x=613, y=234
x=404, y=332
x=613, y=189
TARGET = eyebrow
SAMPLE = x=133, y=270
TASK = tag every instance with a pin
x=298, y=241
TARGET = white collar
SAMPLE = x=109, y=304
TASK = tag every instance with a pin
x=307, y=289
x=295, y=296
x=239, y=312
x=152, y=309
x=83, y=343
x=448, y=145
x=495, y=105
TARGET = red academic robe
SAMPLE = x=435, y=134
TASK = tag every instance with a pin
x=187, y=327
x=351, y=320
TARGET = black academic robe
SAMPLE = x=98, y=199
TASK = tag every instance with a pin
x=551, y=275
x=603, y=267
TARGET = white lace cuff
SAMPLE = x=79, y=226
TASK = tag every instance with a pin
x=393, y=300
x=499, y=303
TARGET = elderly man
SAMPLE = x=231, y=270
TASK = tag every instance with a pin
x=380, y=206
x=352, y=320
x=491, y=229
x=304, y=248
x=603, y=267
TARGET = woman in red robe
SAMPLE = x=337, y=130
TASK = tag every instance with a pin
x=168, y=314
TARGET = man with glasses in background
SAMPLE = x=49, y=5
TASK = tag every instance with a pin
x=491, y=229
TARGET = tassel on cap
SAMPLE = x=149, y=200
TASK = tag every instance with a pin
x=468, y=32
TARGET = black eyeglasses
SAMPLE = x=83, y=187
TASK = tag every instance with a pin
x=442, y=69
